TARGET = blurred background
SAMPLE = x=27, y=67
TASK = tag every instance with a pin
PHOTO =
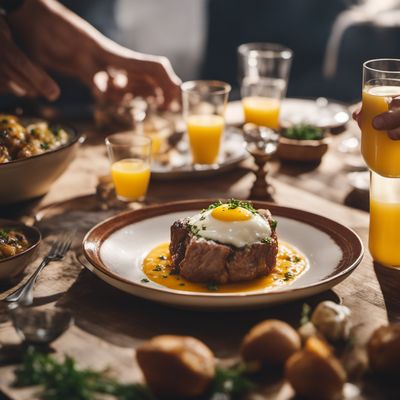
x=330, y=38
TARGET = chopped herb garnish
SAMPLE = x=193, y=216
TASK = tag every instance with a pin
x=203, y=228
x=63, y=380
x=303, y=132
x=181, y=284
x=144, y=280
x=44, y=146
x=157, y=268
x=57, y=132
x=273, y=224
x=212, y=286
x=295, y=259
x=267, y=240
x=305, y=314
x=202, y=218
x=162, y=258
x=288, y=276
x=232, y=383
x=165, y=276
x=3, y=234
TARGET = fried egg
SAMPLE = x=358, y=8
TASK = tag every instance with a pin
x=237, y=226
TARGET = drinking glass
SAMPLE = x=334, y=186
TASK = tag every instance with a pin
x=263, y=73
x=384, y=226
x=381, y=83
x=204, y=104
x=130, y=157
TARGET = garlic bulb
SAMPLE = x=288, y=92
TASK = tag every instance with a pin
x=332, y=320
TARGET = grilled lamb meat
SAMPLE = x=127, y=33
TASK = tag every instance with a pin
x=201, y=260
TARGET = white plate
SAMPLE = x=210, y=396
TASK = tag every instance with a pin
x=116, y=248
x=320, y=112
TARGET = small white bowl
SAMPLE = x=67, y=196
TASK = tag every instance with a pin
x=13, y=266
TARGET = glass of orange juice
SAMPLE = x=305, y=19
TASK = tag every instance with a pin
x=204, y=104
x=381, y=83
x=130, y=157
x=263, y=73
x=384, y=227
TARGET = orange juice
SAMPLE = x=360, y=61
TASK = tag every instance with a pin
x=262, y=111
x=205, y=134
x=131, y=178
x=381, y=154
x=384, y=232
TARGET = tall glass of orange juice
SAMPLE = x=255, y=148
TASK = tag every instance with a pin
x=130, y=157
x=263, y=73
x=384, y=227
x=204, y=104
x=381, y=83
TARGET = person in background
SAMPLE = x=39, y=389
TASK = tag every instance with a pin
x=51, y=38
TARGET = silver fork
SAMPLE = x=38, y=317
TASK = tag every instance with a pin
x=24, y=294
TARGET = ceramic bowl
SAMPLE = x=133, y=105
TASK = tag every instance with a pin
x=11, y=267
x=302, y=150
x=32, y=177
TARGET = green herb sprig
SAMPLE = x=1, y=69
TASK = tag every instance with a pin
x=63, y=380
x=232, y=382
x=303, y=132
x=232, y=204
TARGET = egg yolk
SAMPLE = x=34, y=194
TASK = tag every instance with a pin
x=226, y=214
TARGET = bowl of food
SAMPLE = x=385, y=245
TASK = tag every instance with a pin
x=303, y=142
x=18, y=247
x=33, y=154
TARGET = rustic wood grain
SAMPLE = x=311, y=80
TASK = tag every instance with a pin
x=109, y=324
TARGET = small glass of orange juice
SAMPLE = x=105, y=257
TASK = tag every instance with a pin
x=130, y=157
x=263, y=72
x=204, y=104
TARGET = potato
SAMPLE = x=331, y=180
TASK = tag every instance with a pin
x=315, y=373
x=176, y=366
x=270, y=342
x=384, y=350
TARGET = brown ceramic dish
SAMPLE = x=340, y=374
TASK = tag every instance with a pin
x=32, y=177
x=11, y=267
x=115, y=248
x=302, y=150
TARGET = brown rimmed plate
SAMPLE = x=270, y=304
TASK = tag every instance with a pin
x=115, y=248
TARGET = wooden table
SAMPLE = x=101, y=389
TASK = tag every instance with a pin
x=110, y=324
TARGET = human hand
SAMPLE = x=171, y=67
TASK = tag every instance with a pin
x=18, y=74
x=140, y=74
x=60, y=40
x=388, y=121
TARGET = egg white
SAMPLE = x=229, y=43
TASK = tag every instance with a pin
x=235, y=233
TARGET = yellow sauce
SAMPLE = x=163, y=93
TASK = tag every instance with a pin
x=290, y=264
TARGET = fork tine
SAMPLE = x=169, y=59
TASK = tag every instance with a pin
x=66, y=243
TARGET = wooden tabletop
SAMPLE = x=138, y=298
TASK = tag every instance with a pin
x=109, y=324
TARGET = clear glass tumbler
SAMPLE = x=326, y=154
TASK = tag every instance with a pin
x=204, y=105
x=381, y=83
x=263, y=74
x=130, y=157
